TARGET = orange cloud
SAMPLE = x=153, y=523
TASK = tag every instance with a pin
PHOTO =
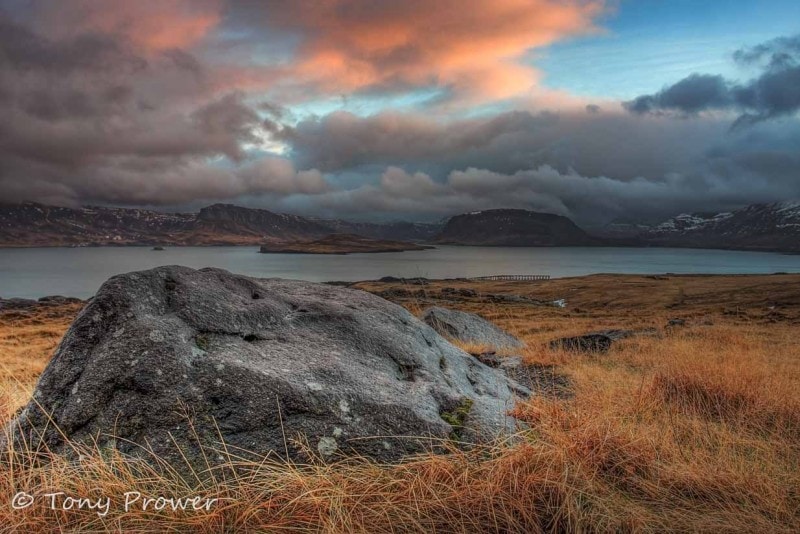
x=471, y=47
x=150, y=25
x=474, y=50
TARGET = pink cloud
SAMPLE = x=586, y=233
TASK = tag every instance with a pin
x=473, y=48
x=150, y=25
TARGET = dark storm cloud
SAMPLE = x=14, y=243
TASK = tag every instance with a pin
x=778, y=53
x=774, y=93
x=610, y=144
x=588, y=200
x=89, y=117
x=698, y=92
x=228, y=123
x=24, y=50
x=274, y=112
x=591, y=167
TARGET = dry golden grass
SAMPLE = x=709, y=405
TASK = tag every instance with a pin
x=27, y=340
x=694, y=429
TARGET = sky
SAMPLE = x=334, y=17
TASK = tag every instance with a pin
x=599, y=110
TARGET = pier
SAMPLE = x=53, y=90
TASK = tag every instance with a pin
x=514, y=277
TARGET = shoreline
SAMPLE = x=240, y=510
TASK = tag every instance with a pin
x=17, y=302
x=425, y=245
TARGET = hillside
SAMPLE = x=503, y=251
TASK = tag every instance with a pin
x=402, y=230
x=763, y=227
x=513, y=228
x=31, y=224
x=39, y=225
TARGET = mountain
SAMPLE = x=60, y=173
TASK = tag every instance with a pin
x=31, y=224
x=513, y=228
x=404, y=231
x=238, y=221
x=39, y=225
x=767, y=227
x=622, y=228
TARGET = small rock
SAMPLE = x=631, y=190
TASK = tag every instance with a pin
x=591, y=342
x=518, y=299
x=469, y=328
x=510, y=362
x=489, y=358
x=460, y=292
x=541, y=378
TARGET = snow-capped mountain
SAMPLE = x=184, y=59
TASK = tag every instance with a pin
x=755, y=227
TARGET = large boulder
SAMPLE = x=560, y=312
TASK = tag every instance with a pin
x=263, y=364
x=469, y=328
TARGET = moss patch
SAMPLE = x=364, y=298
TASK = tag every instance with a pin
x=458, y=417
x=202, y=342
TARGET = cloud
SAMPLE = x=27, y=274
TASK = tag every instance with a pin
x=184, y=102
x=471, y=50
x=176, y=184
x=592, y=167
x=611, y=143
x=589, y=200
x=698, y=92
x=160, y=182
x=778, y=53
x=774, y=93
x=85, y=118
x=164, y=102
x=149, y=26
x=226, y=124
x=273, y=175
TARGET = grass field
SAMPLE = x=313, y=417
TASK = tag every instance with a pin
x=695, y=428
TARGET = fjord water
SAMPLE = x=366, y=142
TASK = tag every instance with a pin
x=79, y=272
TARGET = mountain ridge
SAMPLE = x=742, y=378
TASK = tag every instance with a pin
x=759, y=227
x=32, y=224
x=771, y=227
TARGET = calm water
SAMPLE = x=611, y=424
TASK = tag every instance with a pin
x=78, y=272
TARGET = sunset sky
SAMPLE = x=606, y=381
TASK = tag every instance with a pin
x=387, y=110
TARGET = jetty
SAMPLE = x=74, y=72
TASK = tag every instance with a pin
x=514, y=277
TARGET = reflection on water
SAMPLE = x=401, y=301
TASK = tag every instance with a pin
x=79, y=272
